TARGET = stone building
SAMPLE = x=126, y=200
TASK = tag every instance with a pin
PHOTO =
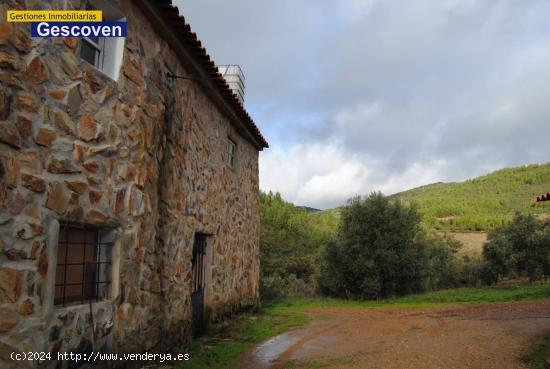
x=129, y=201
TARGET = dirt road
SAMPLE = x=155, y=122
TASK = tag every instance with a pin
x=478, y=337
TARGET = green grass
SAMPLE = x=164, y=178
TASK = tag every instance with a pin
x=227, y=344
x=483, y=295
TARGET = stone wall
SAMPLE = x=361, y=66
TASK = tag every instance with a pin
x=144, y=157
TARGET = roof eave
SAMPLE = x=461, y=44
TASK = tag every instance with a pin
x=166, y=18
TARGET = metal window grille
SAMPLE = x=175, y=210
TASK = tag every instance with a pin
x=231, y=153
x=83, y=270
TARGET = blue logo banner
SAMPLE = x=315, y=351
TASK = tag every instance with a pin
x=79, y=29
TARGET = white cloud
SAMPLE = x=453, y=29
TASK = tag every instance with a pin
x=356, y=10
x=316, y=175
x=325, y=176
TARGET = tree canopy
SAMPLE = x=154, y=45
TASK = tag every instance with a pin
x=381, y=250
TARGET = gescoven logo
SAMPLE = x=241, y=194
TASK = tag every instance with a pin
x=79, y=29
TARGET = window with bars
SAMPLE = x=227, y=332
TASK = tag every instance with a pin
x=83, y=271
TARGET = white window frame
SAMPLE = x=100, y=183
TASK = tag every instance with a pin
x=110, y=53
x=100, y=51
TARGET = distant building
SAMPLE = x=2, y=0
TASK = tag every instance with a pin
x=125, y=192
x=543, y=197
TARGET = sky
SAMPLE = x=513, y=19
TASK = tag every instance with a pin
x=358, y=96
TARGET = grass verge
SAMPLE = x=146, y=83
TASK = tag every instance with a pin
x=482, y=295
x=225, y=343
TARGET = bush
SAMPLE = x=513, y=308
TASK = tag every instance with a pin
x=471, y=271
x=497, y=254
x=273, y=287
x=442, y=267
x=381, y=250
x=520, y=247
x=289, y=243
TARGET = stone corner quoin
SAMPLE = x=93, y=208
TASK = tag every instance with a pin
x=141, y=161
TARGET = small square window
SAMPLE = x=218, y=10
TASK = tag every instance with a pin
x=92, y=50
x=83, y=270
x=231, y=153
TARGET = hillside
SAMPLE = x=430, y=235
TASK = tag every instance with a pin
x=325, y=221
x=483, y=202
x=468, y=209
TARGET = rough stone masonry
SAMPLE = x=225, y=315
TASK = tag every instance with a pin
x=144, y=157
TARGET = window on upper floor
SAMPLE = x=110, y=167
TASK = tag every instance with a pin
x=104, y=53
x=231, y=152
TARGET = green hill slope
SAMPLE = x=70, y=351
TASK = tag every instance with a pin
x=325, y=221
x=483, y=202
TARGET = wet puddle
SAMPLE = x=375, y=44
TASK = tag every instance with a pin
x=269, y=351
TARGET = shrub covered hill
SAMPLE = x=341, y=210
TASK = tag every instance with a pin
x=484, y=202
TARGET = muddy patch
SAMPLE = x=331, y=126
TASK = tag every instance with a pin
x=270, y=351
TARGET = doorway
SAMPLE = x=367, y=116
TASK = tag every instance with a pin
x=197, y=293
